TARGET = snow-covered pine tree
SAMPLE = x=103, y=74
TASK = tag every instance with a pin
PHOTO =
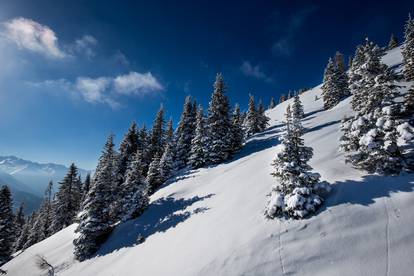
x=408, y=104
x=19, y=220
x=393, y=42
x=408, y=50
x=282, y=98
x=272, y=103
x=42, y=225
x=127, y=149
x=251, y=122
x=167, y=164
x=169, y=133
x=297, y=108
x=95, y=222
x=329, y=86
x=7, y=235
x=86, y=185
x=341, y=76
x=262, y=119
x=154, y=178
x=68, y=200
x=22, y=238
x=198, y=151
x=158, y=134
x=289, y=95
x=218, y=123
x=237, y=129
x=299, y=191
x=184, y=135
x=134, y=191
x=144, y=147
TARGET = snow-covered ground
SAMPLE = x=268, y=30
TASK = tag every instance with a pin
x=210, y=221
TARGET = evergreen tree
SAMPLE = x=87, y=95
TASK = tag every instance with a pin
x=282, y=98
x=237, y=129
x=262, y=119
x=298, y=192
x=86, y=185
x=167, y=164
x=341, y=76
x=144, y=147
x=393, y=42
x=408, y=50
x=251, y=122
x=154, y=177
x=289, y=96
x=134, y=197
x=185, y=133
x=409, y=102
x=169, y=133
x=272, y=103
x=198, y=143
x=329, y=88
x=6, y=225
x=95, y=220
x=218, y=123
x=22, y=238
x=297, y=108
x=41, y=228
x=127, y=149
x=19, y=220
x=68, y=200
x=158, y=134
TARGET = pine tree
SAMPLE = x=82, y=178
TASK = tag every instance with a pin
x=6, y=225
x=42, y=225
x=127, y=149
x=393, y=42
x=22, y=238
x=19, y=220
x=251, y=122
x=134, y=197
x=298, y=192
x=154, y=178
x=68, y=200
x=341, y=76
x=198, y=143
x=409, y=102
x=329, y=88
x=86, y=185
x=237, y=129
x=297, y=108
x=262, y=119
x=185, y=133
x=218, y=123
x=169, y=133
x=167, y=164
x=272, y=103
x=144, y=147
x=158, y=134
x=95, y=220
x=282, y=98
x=408, y=50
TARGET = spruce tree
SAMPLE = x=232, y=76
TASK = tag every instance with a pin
x=298, y=192
x=251, y=122
x=134, y=196
x=158, y=134
x=237, y=129
x=297, y=108
x=218, y=123
x=262, y=119
x=86, y=185
x=144, y=147
x=408, y=50
x=95, y=222
x=198, y=143
x=282, y=98
x=19, y=220
x=154, y=177
x=341, y=77
x=7, y=236
x=169, y=133
x=329, y=88
x=393, y=42
x=185, y=133
x=272, y=103
x=68, y=199
x=127, y=149
x=408, y=103
x=167, y=164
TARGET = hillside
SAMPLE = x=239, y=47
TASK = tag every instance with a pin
x=210, y=221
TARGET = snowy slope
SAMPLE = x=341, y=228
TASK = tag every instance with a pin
x=210, y=221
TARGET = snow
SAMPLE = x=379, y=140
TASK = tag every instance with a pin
x=210, y=221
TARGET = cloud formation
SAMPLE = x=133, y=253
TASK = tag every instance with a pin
x=30, y=35
x=84, y=46
x=106, y=90
x=284, y=46
x=254, y=71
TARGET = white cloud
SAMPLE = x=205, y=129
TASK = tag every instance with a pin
x=92, y=89
x=30, y=35
x=84, y=46
x=254, y=71
x=136, y=84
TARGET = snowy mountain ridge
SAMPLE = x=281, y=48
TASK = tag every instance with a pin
x=210, y=221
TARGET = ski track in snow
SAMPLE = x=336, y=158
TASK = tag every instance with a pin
x=282, y=267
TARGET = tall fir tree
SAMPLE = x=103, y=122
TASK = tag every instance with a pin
x=272, y=103
x=134, y=196
x=167, y=163
x=7, y=235
x=19, y=220
x=329, y=87
x=68, y=200
x=218, y=123
x=144, y=147
x=408, y=102
x=393, y=42
x=158, y=134
x=298, y=191
x=251, y=122
x=237, y=129
x=127, y=149
x=154, y=178
x=185, y=133
x=297, y=108
x=198, y=151
x=86, y=185
x=262, y=119
x=408, y=50
x=95, y=222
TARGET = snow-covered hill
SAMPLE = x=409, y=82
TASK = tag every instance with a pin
x=34, y=176
x=210, y=221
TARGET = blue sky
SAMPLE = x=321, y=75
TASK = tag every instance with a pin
x=74, y=71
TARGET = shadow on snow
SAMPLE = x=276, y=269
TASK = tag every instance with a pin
x=162, y=215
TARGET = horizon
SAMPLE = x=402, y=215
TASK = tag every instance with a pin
x=74, y=73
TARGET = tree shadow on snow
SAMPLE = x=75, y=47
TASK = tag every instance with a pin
x=366, y=191
x=162, y=215
x=319, y=127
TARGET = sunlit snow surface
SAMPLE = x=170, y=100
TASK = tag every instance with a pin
x=210, y=221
